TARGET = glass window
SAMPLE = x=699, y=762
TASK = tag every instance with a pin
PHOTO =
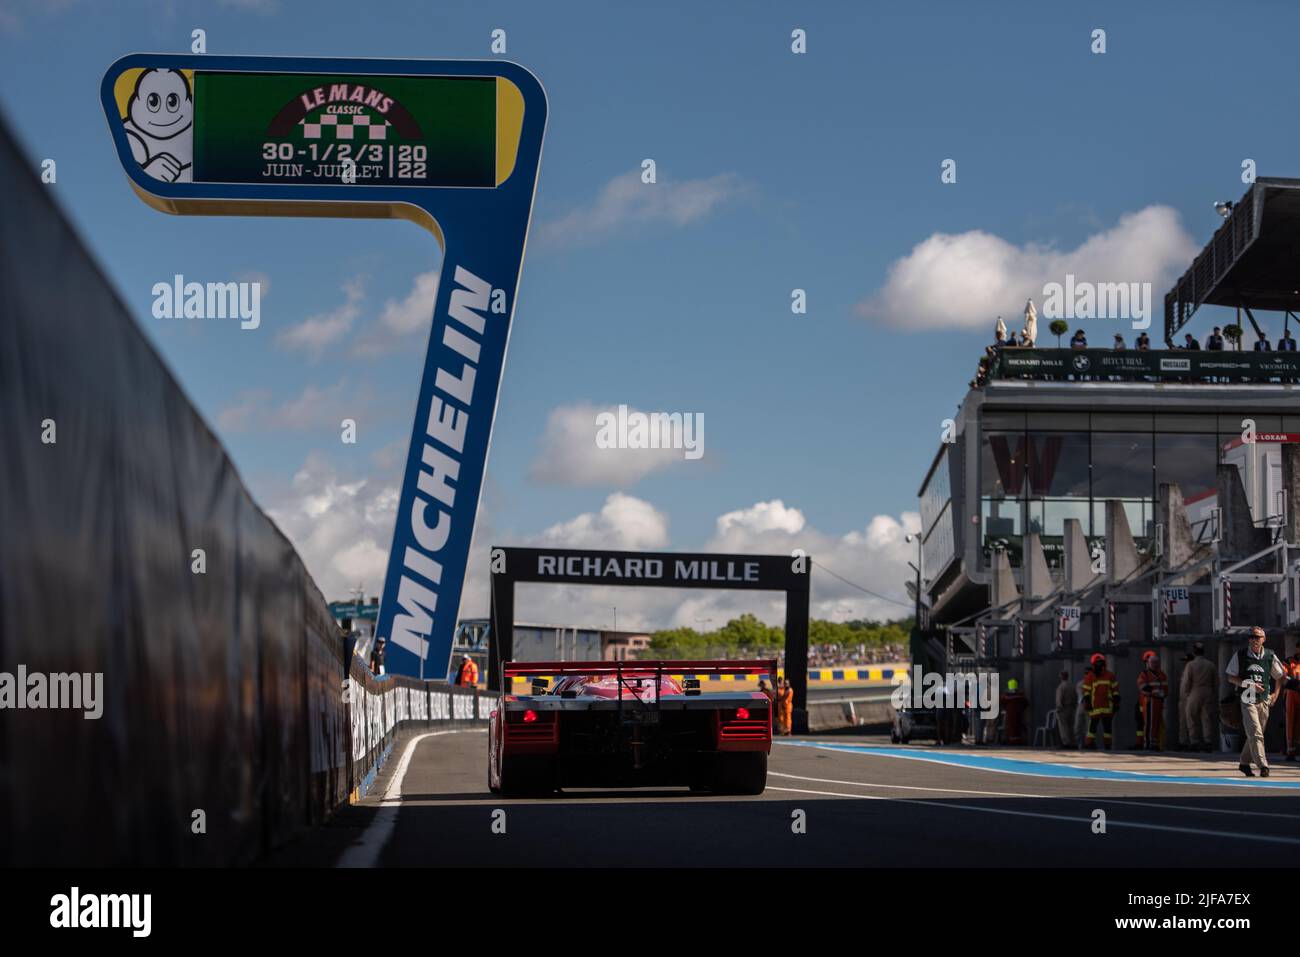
x=1047, y=517
x=1002, y=464
x=1186, y=423
x=1121, y=421
x=936, y=494
x=1062, y=421
x=1057, y=464
x=1014, y=421
x=1231, y=424
x=1140, y=512
x=939, y=547
x=1121, y=465
x=1188, y=461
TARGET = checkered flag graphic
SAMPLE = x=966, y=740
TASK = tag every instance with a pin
x=356, y=126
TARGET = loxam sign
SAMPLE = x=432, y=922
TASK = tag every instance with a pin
x=451, y=145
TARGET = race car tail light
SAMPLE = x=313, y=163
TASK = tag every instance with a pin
x=540, y=727
x=745, y=724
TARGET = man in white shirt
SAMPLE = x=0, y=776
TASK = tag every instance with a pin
x=1256, y=672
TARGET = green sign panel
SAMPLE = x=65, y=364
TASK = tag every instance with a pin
x=1173, y=365
x=303, y=128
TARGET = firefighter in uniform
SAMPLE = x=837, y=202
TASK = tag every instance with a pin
x=1013, y=705
x=1101, y=694
x=1292, y=693
x=784, y=706
x=1153, y=688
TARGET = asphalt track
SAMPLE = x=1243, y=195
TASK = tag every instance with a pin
x=863, y=803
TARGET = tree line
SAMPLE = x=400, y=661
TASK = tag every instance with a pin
x=747, y=632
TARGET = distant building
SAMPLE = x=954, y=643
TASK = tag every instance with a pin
x=623, y=645
x=550, y=642
x=1096, y=501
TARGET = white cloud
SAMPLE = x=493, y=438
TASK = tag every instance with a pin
x=626, y=201
x=763, y=517
x=401, y=318
x=340, y=526
x=622, y=522
x=15, y=13
x=569, y=454
x=314, y=334
x=968, y=279
x=313, y=408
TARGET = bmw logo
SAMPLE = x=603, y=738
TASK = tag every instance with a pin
x=1081, y=363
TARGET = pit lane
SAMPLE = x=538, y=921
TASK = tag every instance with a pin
x=879, y=806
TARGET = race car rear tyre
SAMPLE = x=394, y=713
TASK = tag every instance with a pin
x=527, y=776
x=742, y=772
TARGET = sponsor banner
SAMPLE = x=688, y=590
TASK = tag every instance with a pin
x=1132, y=364
x=451, y=145
x=676, y=570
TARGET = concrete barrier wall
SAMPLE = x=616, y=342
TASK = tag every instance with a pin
x=133, y=558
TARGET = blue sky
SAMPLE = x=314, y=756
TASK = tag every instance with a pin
x=818, y=171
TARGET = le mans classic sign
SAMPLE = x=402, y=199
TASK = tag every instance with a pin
x=451, y=145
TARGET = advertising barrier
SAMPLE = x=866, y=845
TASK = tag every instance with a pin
x=1132, y=364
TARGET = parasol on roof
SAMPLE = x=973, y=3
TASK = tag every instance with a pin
x=1030, y=332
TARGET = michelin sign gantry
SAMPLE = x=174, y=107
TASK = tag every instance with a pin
x=451, y=145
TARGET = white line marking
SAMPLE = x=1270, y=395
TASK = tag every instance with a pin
x=1187, y=807
x=1110, y=821
x=834, y=794
x=365, y=851
x=906, y=787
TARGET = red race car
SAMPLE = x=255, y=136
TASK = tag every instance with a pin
x=616, y=724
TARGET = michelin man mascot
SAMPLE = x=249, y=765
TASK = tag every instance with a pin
x=160, y=124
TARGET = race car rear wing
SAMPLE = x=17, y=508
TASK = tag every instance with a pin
x=687, y=669
x=739, y=666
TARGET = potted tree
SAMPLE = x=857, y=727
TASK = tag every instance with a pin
x=1233, y=334
x=1058, y=328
